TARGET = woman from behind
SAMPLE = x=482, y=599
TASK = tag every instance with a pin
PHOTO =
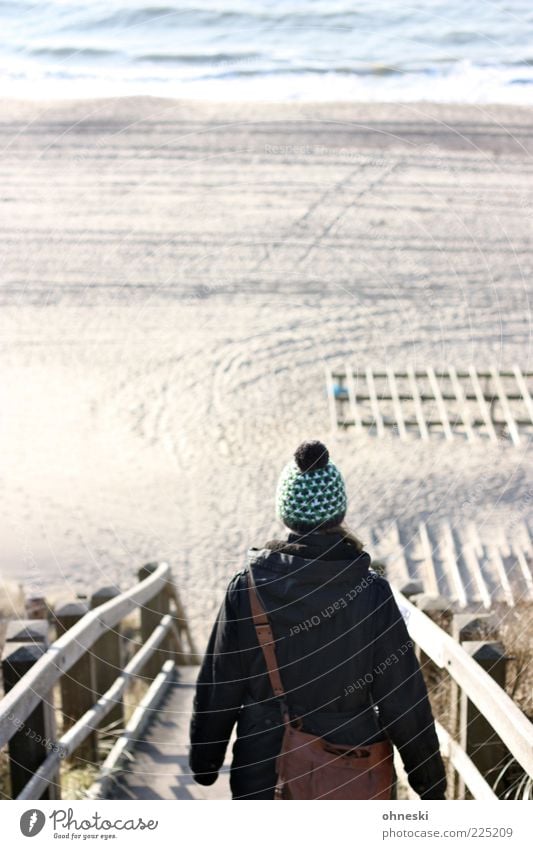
x=347, y=675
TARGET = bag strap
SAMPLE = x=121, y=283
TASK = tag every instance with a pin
x=267, y=642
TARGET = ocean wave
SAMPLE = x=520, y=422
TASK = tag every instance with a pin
x=198, y=17
x=268, y=50
x=198, y=58
x=303, y=72
x=67, y=52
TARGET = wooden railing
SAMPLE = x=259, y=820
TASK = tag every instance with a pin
x=487, y=725
x=85, y=663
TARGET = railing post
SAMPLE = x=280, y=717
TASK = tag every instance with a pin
x=27, y=631
x=35, y=737
x=182, y=632
x=108, y=660
x=36, y=607
x=477, y=736
x=151, y=614
x=465, y=627
x=77, y=684
x=410, y=588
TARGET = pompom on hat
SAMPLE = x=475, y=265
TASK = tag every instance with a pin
x=310, y=494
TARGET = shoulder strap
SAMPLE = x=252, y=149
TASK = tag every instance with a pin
x=265, y=637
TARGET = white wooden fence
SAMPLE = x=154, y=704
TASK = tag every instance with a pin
x=469, y=403
x=165, y=640
x=480, y=697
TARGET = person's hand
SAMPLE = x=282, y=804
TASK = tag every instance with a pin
x=205, y=778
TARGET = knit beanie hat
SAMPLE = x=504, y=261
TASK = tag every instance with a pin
x=310, y=494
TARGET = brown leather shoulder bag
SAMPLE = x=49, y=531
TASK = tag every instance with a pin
x=308, y=766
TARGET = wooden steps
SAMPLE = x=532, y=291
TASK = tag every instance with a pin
x=469, y=567
x=159, y=768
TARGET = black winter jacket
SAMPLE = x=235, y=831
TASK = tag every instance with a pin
x=346, y=661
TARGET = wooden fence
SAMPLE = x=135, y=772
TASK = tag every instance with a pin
x=468, y=402
x=485, y=725
x=83, y=671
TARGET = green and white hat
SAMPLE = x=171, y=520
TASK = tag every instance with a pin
x=310, y=494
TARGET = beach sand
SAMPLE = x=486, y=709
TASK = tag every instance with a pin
x=174, y=277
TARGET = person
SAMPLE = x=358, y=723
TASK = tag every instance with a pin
x=346, y=660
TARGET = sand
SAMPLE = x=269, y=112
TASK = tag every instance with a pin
x=174, y=277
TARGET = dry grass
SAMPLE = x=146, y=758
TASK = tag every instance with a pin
x=11, y=600
x=5, y=783
x=76, y=780
x=516, y=634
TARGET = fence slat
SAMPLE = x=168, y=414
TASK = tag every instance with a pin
x=524, y=568
x=430, y=574
x=524, y=391
x=419, y=412
x=495, y=558
x=398, y=560
x=374, y=403
x=449, y=552
x=441, y=406
x=461, y=401
x=352, y=397
x=468, y=550
x=507, y=412
x=396, y=404
x=332, y=404
x=485, y=412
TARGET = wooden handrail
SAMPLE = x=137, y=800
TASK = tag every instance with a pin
x=506, y=718
x=17, y=705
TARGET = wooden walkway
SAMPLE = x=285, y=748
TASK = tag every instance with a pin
x=160, y=769
x=471, y=567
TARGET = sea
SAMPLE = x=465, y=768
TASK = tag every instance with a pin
x=472, y=51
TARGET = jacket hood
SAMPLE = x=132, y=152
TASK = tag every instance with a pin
x=325, y=576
